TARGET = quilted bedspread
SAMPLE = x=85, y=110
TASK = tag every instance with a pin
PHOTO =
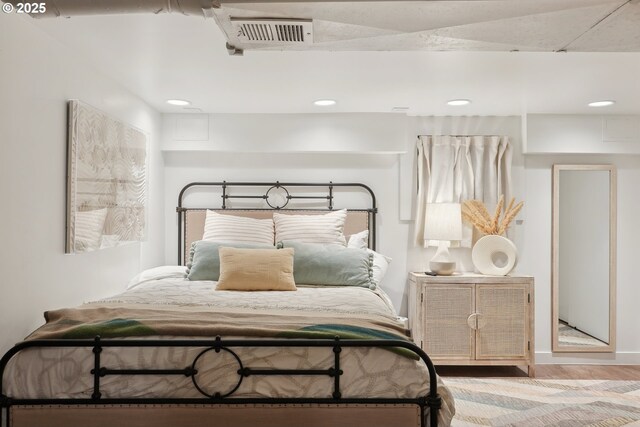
x=176, y=308
x=197, y=310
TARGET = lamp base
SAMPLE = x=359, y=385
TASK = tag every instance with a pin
x=443, y=268
x=441, y=263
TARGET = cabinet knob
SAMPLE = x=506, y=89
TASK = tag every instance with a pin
x=481, y=320
x=476, y=321
x=472, y=321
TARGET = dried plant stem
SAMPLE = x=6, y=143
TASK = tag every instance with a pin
x=481, y=208
x=475, y=213
x=513, y=200
x=476, y=217
x=495, y=222
x=509, y=217
x=476, y=222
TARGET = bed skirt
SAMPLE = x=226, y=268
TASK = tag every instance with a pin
x=241, y=415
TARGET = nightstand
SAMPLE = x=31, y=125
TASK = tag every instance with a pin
x=472, y=319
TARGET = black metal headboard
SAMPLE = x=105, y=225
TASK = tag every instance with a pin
x=276, y=196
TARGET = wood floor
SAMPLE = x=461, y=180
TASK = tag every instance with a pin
x=566, y=372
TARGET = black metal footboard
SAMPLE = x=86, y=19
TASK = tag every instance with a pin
x=432, y=400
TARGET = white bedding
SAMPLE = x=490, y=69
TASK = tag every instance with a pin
x=368, y=372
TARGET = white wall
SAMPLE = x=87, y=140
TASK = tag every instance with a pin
x=391, y=177
x=418, y=258
x=582, y=134
x=38, y=76
x=380, y=171
x=298, y=157
x=294, y=147
x=538, y=177
x=284, y=133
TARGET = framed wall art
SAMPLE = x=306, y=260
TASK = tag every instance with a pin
x=106, y=180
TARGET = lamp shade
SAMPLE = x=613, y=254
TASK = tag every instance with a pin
x=443, y=221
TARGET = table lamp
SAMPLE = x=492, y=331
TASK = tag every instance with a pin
x=443, y=223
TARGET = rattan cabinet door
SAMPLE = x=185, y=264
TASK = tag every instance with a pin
x=502, y=321
x=446, y=331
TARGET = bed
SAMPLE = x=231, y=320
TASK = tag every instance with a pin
x=171, y=351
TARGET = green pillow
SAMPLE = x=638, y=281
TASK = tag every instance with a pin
x=334, y=265
x=204, y=261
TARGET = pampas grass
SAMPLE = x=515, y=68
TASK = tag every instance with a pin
x=475, y=213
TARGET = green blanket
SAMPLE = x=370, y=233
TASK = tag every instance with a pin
x=137, y=320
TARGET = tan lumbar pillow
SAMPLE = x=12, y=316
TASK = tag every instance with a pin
x=256, y=270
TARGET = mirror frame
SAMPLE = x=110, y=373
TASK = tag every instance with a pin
x=555, y=254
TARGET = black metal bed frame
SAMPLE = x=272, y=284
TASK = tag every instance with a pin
x=226, y=195
x=431, y=401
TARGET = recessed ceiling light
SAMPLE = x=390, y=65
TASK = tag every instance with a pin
x=324, y=102
x=601, y=103
x=459, y=102
x=178, y=102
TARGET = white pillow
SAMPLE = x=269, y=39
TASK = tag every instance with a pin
x=359, y=240
x=156, y=273
x=230, y=228
x=379, y=267
x=88, y=229
x=327, y=228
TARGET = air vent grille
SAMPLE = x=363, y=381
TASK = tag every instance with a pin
x=270, y=31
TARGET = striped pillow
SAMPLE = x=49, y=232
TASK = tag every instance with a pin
x=88, y=229
x=230, y=228
x=327, y=228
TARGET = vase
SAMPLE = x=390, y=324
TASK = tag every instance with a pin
x=494, y=255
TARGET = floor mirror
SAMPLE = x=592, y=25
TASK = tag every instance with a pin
x=584, y=258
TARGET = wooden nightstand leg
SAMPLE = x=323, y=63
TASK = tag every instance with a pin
x=531, y=370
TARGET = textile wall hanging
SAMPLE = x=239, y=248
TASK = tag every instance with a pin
x=106, y=181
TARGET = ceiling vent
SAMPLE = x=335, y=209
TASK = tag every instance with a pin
x=274, y=31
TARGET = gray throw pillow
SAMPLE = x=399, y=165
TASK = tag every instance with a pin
x=204, y=261
x=333, y=265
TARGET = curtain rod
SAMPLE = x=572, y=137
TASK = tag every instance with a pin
x=457, y=136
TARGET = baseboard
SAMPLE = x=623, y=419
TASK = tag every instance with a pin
x=619, y=358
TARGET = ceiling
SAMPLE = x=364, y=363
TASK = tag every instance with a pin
x=494, y=25
x=167, y=56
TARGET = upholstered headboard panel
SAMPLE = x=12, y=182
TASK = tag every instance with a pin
x=261, y=199
x=357, y=221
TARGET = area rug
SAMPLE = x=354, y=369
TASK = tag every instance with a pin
x=571, y=336
x=534, y=403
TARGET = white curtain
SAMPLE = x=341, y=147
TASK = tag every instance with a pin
x=452, y=169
